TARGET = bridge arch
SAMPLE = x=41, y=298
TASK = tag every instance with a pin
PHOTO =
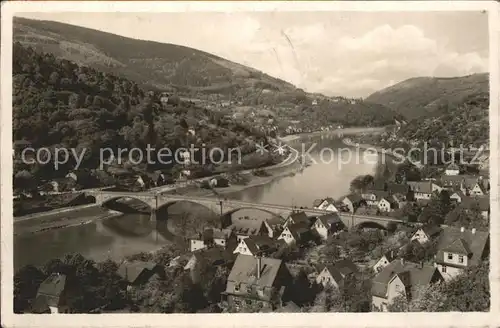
x=110, y=200
x=370, y=224
x=232, y=211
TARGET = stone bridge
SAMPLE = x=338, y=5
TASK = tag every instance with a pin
x=225, y=207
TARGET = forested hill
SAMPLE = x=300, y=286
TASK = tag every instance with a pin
x=159, y=65
x=59, y=103
x=420, y=97
x=195, y=74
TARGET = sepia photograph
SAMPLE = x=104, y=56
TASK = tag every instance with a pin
x=248, y=161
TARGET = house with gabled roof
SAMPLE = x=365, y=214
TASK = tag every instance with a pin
x=353, y=202
x=457, y=196
x=401, y=278
x=52, y=295
x=460, y=248
x=328, y=224
x=327, y=204
x=274, y=226
x=259, y=245
x=257, y=281
x=452, y=169
x=211, y=236
x=426, y=233
x=244, y=227
x=335, y=274
x=208, y=257
x=384, y=261
x=481, y=204
x=297, y=217
x=295, y=234
x=387, y=204
x=137, y=273
x=424, y=189
x=372, y=197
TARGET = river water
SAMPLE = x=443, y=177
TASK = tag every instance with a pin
x=328, y=176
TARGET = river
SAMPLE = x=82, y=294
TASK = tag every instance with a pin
x=132, y=233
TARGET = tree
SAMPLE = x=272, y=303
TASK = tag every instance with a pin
x=26, y=283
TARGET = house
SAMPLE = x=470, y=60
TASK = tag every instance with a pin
x=457, y=196
x=314, y=102
x=297, y=217
x=273, y=225
x=328, y=224
x=61, y=185
x=460, y=248
x=384, y=261
x=372, y=197
x=143, y=181
x=157, y=178
x=137, y=273
x=452, y=181
x=452, y=169
x=335, y=274
x=472, y=186
x=401, y=278
x=295, y=234
x=481, y=204
x=210, y=257
x=259, y=245
x=52, y=295
x=386, y=204
x=426, y=233
x=398, y=200
x=477, y=189
x=423, y=189
x=327, y=204
x=398, y=188
x=82, y=177
x=244, y=227
x=353, y=202
x=257, y=281
x=209, y=237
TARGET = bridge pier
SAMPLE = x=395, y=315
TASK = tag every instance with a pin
x=153, y=215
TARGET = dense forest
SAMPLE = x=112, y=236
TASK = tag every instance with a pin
x=465, y=123
x=57, y=103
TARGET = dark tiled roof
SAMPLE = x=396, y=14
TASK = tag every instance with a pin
x=483, y=203
x=431, y=230
x=213, y=255
x=317, y=202
x=216, y=233
x=261, y=244
x=299, y=217
x=329, y=219
x=245, y=271
x=454, y=240
x=346, y=266
x=390, y=255
x=130, y=271
x=397, y=188
x=411, y=274
x=334, y=272
x=246, y=226
x=421, y=186
x=53, y=286
x=298, y=229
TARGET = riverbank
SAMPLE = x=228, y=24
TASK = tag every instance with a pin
x=61, y=219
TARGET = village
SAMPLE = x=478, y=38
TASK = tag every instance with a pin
x=263, y=258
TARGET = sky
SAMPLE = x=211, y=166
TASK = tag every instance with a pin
x=336, y=53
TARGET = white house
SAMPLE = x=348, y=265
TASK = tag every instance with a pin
x=334, y=275
x=452, y=169
x=460, y=248
x=384, y=261
x=328, y=224
x=386, y=204
x=294, y=234
x=401, y=278
x=211, y=236
x=426, y=233
x=423, y=189
x=258, y=246
x=327, y=204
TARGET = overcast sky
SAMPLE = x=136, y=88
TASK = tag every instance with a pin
x=336, y=53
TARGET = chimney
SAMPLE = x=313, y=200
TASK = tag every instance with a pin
x=259, y=265
x=402, y=261
x=473, y=230
x=462, y=229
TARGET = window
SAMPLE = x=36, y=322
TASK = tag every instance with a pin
x=443, y=269
x=460, y=259
x=237, y=287
x=222, y=241
x=398, y=288
x=450, y=256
